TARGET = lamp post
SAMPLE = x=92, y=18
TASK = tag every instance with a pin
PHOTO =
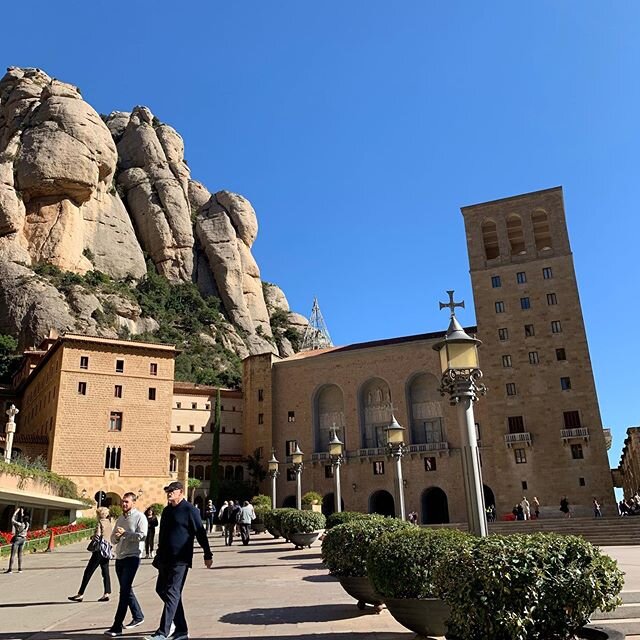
x=395, y=444
x=274, y=473
x=336, y=448
x=461, y=380
x=296, y=460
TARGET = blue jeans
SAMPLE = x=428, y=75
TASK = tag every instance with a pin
x=126, y=569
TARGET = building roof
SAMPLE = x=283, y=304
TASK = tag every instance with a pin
x=520, y=196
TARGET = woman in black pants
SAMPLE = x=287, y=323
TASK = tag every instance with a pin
x=103, y=529
x=152, y=524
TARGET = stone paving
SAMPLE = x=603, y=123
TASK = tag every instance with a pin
x=267, y=590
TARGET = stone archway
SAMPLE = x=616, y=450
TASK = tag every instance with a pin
x=112, y=499
x=329, y=504
x=382, y=502
x=289, y=502
x=489, y=496
x=435, y=506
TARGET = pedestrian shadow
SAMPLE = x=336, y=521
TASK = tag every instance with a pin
x=321, y=578
x=310, y=566
x=304, y=556
x=18, y=605
x=295, y=615
x=260, y=550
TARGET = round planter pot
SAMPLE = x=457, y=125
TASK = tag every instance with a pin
x=274, y=532
x=596, y=632
x=259, y=527
x=362, y=590
x=424, y=616
x=301, y=540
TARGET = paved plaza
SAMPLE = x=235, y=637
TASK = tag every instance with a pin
x=267, y=590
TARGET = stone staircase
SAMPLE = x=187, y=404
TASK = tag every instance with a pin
x=626, y=618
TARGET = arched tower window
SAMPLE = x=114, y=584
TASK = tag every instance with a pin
x=541, y=231
x=173, y=463
x=375, y=412
x=238, y=473
x=490, y=239
x=515, y=234
x=427, y=424
x=328, y=410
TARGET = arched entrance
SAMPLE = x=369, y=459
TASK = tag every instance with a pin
x=382, y=502
x=329, y=504
x=489, y=497
x=112, y=499
x=435, y=506
x=289, y=501
x=199, y=504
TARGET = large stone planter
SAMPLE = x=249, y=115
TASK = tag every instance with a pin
x=301, y=540
x=362, y=590
x=424, y=616
x=274, y=532
x=259, y=527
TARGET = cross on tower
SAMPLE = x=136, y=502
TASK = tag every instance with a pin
x=451, y=305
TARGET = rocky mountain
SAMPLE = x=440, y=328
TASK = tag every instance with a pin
x=95, y=208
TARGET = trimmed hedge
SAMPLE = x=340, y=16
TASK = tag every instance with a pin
x=340, y=517
x=41, y=544
x=273, y=519
x=309, y=498
x=345, y=546
x=539, y=586
x=294, y=521
x=408, y=563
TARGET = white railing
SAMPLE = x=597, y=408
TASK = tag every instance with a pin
x=318, y=457
x=367, y=453
x=517, y=438
x=578, y=432
x=428, y=446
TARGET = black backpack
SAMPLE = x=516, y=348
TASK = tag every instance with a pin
x=236, y=515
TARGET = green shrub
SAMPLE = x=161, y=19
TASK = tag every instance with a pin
x=273, y=519
x=261, y=503
x=90, y=523
x=58, y=522
x=409, y=563
x=538, y=586
x=345, y=546
x=295, y=521
x=311, y=497
x=340, y=517
x=115, y=511
x=157, y=508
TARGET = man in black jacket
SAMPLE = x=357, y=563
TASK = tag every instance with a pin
x=179, y=525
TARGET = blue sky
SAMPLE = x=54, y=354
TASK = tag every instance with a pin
x=358, y=129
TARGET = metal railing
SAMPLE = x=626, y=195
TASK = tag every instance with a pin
x=428, y=446
x=577, y=432
x=517, y=438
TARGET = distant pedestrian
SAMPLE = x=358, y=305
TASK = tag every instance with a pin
x=129, y=534
x=20, y=523
x=564, y=507
x=152, y=525
x=232, y=513
x=536, y=507
x=247, y=515
x=597, y=513
x=210, y=515
x=526, y=508
x=222, y=517
x=180, y=523
x=519, y=512
x=413, y=517
x=103, y=530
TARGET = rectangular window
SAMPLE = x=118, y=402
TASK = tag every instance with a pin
x=291, y=474
x=525, y=303
x=565, y=384
x=192, y=427
x=500, y=307
x=194, y=405
x=202, y=428
x=119, y=366
x=529, y=331
x=556, y=327
x=290, y=447
x=82, y=388
x=576, y=452
x=581, y=482
x=516, y=424
x=533, y=357
x=511, y=388
x=84, y=362
x=328, y=471
x=429, y=464
x=572, y=420
x=378, y=468
x=117, y=391
x=503, y=334
x=261, y=418
x=496, y=283
x=153, y=368
x=561, y=354
x=115, y=421
x=506, y=361
x=178, y=405
x=260, y=395
x=291, y=416
x=178, y=427
x=520, y=456
x=521, y=277
x=525, y=486
x=152, y=393
x=547, y=273
x=552, y=298
x=112, y=458
x=207, y=406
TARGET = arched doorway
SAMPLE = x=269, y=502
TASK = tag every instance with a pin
x=382, y=502
x=435, y=506
x=289, y=501
x=112, y=499
x=489, y=497
x=329, y=504
x=199, y=504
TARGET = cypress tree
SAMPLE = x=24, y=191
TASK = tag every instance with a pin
x=214, y=480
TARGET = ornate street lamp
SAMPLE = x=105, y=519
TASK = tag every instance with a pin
x=461, y=380
x=336, y=450
x=395, y=445
x=296, y=460
x=274, y=473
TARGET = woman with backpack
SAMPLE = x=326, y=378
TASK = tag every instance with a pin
x=97, y=559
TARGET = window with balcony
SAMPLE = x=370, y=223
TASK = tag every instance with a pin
x=520, y=456
x=529, y=331
x=503, y=334
x=496, y=283
x=82, y=388
x=516, y=424
x=572, y=420
x=565, y=384
x=576, y=452
x=499, y=306
x=115, y=421
x=547, y=273
x=561, y=354
x=506, y=361
x=84, y=362
x=525, y=303
x=521, y=277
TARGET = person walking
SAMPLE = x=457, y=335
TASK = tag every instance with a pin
x=231, y=518
x=247, y=515
x=564, y=507
x=536, y=507
x=210, y=514
x=20, y=523
x=152, y=524
x=526, y=508
x=222, y=518
x=128, y=538
x=180, y=523
x=597, y=513
x=103, y=530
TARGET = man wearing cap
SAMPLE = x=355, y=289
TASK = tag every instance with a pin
x=179, y=525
